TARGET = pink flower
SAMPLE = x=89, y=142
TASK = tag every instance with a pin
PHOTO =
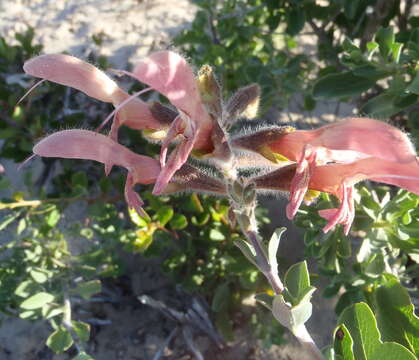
x=70, y=71
x=166, y=72
x=170, y=74
x=339, y=179
x=83, y=144
x=335, y=157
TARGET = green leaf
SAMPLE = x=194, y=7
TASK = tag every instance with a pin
x=28, y=315
x=79, y=179
x=371, y=72
x=52, y=218
x=396, y=50
x=200, y=219
x=347, y=299
x=343, y=343
x=382, y=106
x=296, y=21
x=344, y=249
x=247, y=250
x=375, y=265
x=291, y=317
x=297, y=281
x=60, y=340
x=8, y=219
x=392, y=351
x=51, y=310
x=21, y=226
x=82, y=356
x=385, y=39
x=372, y=46
x=273, y=247
x=37, y=301
x=221, y=298
x=216, y=235
x=345, y=84
x=329, y=354
x=164, y=214
x=136, y=218
x=27, y=287
x=39, y=275
x=361, y=324
x=82, y=330
x=393, y=306
x=301, y=313
x=178, y=222
x=414, y=85
x=88, y=288
x=87, y=233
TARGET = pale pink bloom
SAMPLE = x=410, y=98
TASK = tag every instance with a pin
x=339, y=179
x=167, y=73
x=84, y=144
x=71, y=71
x=335, y=157
x=170, y=74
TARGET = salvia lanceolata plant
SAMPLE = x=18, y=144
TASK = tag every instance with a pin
x=196, y=127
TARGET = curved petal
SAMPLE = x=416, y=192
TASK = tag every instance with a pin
x=83, y=144
x=345, y=214
x=329, y=177
x=177, y=158
x=135, y=113
x=71, y=71
x=170, y=74
x=366, y=136
x=359, y=135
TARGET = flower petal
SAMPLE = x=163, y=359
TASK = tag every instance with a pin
x=345, y=214
x=71, y=71
x=170, y=74
x=360, y=135
x=177, y=158
x=312, y=157
x=83, y=144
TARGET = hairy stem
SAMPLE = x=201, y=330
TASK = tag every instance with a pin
x=243, y=200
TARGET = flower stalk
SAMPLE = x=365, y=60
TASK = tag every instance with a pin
x=243, y=200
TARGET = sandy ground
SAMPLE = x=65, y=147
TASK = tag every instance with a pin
x=128, y=30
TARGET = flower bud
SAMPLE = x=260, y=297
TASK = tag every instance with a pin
x=210, y=91
x=249, y=194
x=243, y=102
